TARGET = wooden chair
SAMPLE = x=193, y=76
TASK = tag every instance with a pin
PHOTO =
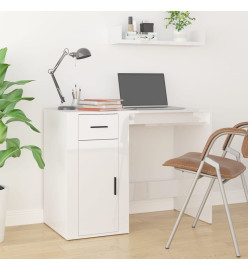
x=216, y=167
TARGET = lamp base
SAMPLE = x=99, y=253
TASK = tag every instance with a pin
x=64, y=107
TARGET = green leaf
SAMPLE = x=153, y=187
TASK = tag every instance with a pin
x=3, y=70
x=3, y=131
x=12, y=97
x=27, y=123
x=37, y=154
x=19, y=114
x=32, y=127
x=14, y=142
x=26, y=98
x=12, y=105
x=8, y=108
x=2, y=55
x=5, y=154
x=7, y=84
x=15, y=94
x=4, y=103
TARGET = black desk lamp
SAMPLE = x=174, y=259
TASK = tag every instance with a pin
x=80, y=54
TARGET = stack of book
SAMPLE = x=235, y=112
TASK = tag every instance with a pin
x=99, y=104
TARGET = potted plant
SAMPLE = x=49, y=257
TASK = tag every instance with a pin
x=8, y=115
x=179, y=19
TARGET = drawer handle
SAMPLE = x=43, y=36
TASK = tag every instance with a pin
x=99, y=127
x=114, y=185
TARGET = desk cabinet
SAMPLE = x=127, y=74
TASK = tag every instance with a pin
x=98, y=174
x=85, y=188
x=98, y=186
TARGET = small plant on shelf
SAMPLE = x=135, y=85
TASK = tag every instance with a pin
x=180, y=19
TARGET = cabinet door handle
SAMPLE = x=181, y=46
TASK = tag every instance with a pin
x=114, y=185
x=99, y=127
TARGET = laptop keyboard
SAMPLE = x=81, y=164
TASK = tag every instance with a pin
x=154, y=108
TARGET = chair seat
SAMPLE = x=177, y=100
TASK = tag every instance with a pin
x=229, y=168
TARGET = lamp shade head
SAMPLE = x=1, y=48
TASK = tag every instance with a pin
x=81, y=53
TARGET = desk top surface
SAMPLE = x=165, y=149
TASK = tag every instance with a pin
x=131, y=111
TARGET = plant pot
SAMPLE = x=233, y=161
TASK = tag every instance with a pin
x=3, y=206
x=180, y=36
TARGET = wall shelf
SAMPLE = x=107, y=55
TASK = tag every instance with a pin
x=194, y=38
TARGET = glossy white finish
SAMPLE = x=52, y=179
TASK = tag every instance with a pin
x=63, y=175
x=169, y=117
x=156, y=136
x=61, y=172
x=98, y=127
x=78, y=178
x=194, y=38
x=98, y=205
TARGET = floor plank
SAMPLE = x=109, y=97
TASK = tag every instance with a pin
x=148, y=235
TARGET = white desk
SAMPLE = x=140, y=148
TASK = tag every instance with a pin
x=101, y=166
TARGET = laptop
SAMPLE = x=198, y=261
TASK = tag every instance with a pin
x=144, y=91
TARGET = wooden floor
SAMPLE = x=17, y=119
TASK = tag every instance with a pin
x=148, y=235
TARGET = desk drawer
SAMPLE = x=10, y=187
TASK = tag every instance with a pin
x=97, y=127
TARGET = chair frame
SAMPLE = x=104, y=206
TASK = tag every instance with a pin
x=222, y=181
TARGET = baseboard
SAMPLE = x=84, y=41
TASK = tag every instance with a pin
x=151, y=205
x=24, y=217
x=215, y=198
x=233, y=196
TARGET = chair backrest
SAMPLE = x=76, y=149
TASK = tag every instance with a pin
x=244, y=149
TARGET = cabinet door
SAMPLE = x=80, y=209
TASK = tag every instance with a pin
x=98, y=187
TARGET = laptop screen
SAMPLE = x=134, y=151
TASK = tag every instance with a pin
x=142, y=89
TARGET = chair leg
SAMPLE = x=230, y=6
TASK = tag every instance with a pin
x=203, y=202
x=184, y=206
x=244, y=186
x=223, y=193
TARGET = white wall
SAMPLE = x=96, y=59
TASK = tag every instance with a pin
x=213, y=77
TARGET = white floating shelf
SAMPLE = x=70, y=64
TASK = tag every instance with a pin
x=157, y=42
x=194, y=38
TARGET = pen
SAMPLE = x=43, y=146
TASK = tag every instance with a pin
x=75, y=91
x=79, y=94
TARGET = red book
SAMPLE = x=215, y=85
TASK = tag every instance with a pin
x=95, y=109
x=100, y=102
x=104, y=100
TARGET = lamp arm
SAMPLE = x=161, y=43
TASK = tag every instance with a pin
x=52, y=71
x=58, y=88
x=65, y=52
